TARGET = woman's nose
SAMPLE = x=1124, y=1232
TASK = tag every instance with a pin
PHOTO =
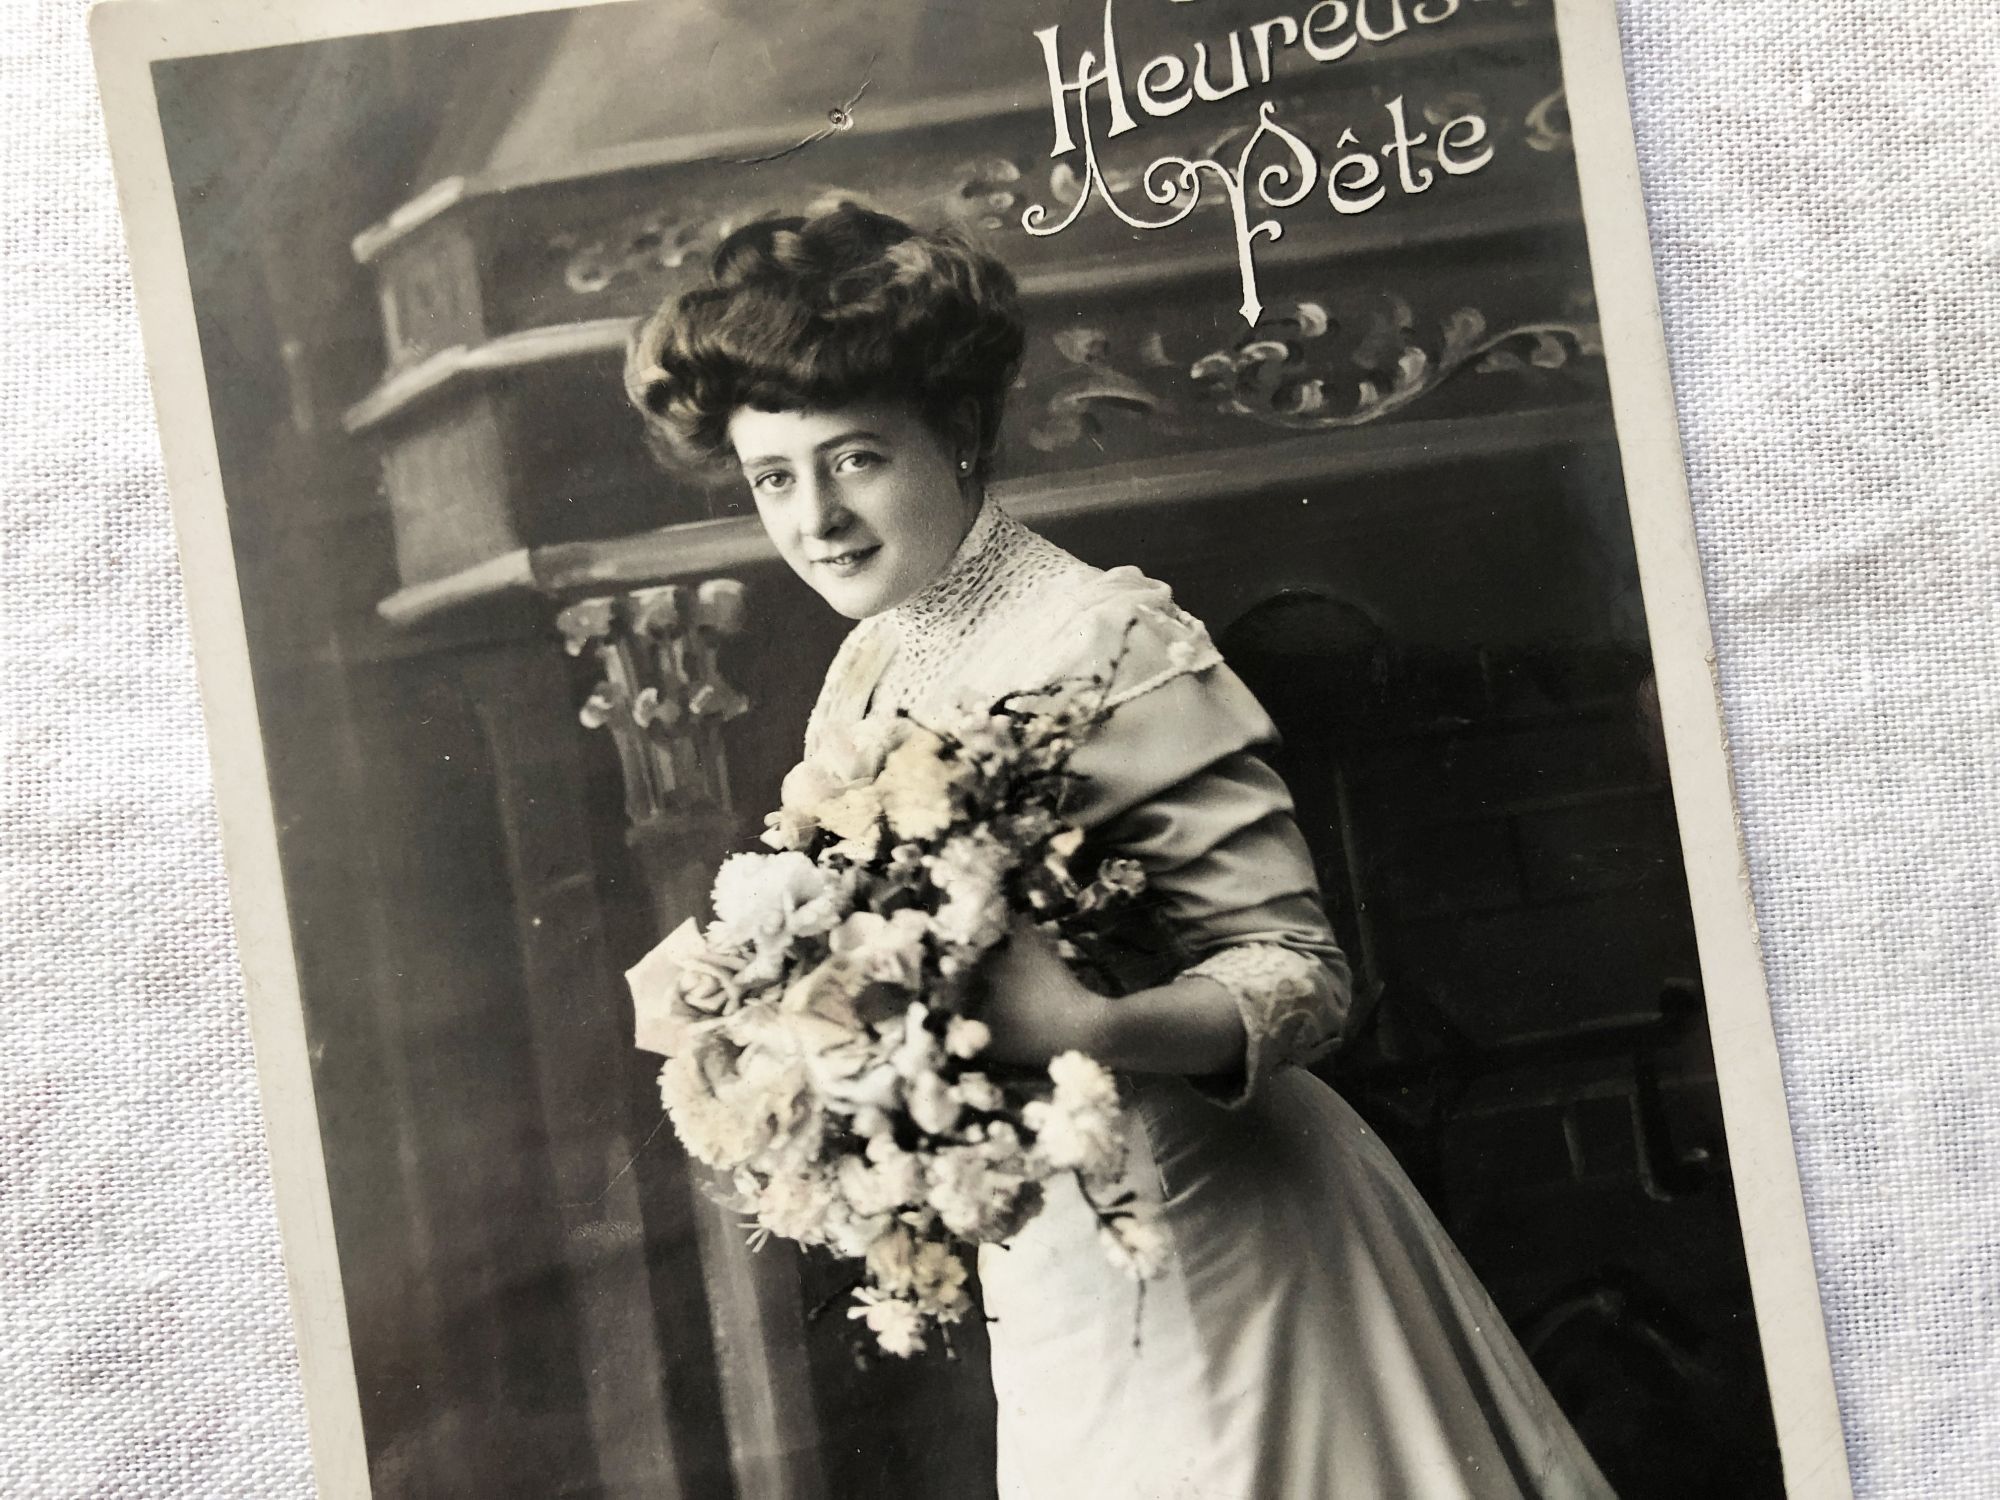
x=824, y=512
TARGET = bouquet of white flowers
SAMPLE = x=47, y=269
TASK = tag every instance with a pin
x=820, y=1048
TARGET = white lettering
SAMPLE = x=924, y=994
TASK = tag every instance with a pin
x=1321, y=51
x=1153, y=96
x=1088, y=73
x=1260, y=38
x=1357, y=182
x=1372, y=33
x=1366, y=173
x=1475, y=132
x=1413, y=182
x=1204, y=87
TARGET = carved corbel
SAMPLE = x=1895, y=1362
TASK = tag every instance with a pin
x=663, y=696
x=664, y=699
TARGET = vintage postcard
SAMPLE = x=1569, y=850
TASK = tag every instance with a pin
x=969, y=750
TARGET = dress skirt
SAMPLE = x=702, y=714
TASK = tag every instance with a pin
x=1315, y=1335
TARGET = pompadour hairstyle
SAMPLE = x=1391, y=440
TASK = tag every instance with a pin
x=811, y=313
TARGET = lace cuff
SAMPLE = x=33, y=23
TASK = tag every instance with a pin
x=1281, y=994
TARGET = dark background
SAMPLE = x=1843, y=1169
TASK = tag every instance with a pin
x=427, y=457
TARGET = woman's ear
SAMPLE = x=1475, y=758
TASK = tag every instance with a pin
x=965, y=435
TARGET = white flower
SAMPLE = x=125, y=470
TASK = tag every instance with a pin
x=852, y=754
x=1136, y=1245
x=1062, y=848
x=889, y=950
x=785, y=830
x=852, y=1234
x=968, y=860
x=830, y=992
x=1001, y=1145
x=888, y=1179
x=985, y=740
x=1078, y=1129
x=938, y=1277
x=808, y=789
x=901, y=1175
x=759, y=967
x=720, y=1131
x=871, y=1122
x=1081, y=1080
x=855, y=1081
x=965, y=1037
x=1074, y=1141
x=916, y=785
x=764, y=898
x=976, y=1197
x=932, y=1104
x=795, y=1206
x=806, y=786
x=855, y=817
x=1115, y=879
x=775, y=1089
x=892, y=1261
x=969, y=870
x=978, y=1092
x=897, y=1325
x=918, y=1053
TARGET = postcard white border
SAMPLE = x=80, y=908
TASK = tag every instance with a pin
x=1762, y=1159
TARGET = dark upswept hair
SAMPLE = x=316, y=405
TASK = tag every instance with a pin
x=810, y=313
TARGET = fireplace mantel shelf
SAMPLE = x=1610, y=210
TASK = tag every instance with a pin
x=563, y=571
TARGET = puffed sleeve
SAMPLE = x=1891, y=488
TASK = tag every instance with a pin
x=1173, y=779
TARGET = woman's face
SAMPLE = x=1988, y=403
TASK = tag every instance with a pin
x=862, y=501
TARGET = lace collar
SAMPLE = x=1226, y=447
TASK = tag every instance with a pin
x=968, y=579
x=998, y=564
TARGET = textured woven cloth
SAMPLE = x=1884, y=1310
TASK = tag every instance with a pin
x=1822, y=180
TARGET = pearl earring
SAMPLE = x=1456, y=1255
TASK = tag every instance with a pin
x=965, y=466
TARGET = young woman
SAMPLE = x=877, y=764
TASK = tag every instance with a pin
x=1315, y=1335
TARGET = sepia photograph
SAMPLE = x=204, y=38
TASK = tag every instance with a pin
x=969, y=750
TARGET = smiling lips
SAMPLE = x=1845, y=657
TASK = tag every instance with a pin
x=848, y=561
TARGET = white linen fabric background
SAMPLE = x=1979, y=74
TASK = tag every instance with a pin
x=1823, y=182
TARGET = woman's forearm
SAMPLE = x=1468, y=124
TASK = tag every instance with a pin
x=1189, y=1026
x=1036, y=1008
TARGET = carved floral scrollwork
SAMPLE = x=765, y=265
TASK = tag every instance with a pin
x=980, y=193
x=1093, y=389
x=1291, y=370
x=663, y=695
x=1547, y=126
x=1283, y=373
x=638, y=247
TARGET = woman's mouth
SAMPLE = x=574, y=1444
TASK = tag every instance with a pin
x=845, y=564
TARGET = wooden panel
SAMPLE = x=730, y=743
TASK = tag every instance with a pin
x=449, y=491
x=431, y=295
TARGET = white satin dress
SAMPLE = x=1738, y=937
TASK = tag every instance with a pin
x=1315, y=1335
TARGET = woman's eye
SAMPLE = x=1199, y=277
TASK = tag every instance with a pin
x=772, y=483
x=849, y=463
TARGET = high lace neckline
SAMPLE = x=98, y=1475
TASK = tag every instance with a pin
x=998, y=563
x=974, y=568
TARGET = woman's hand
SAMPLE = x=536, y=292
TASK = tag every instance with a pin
x=1034, y=1006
